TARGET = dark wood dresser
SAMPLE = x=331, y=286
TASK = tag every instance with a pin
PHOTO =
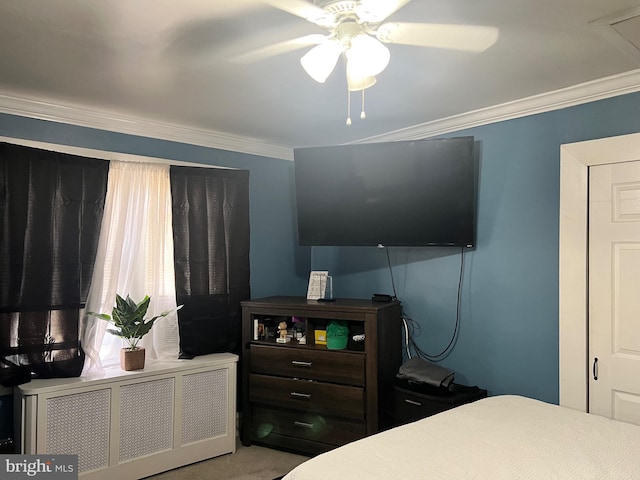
x=309, y=398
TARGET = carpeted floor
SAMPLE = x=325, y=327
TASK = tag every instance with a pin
x=248, y=463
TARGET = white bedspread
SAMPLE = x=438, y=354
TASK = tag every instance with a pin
x=498, y=438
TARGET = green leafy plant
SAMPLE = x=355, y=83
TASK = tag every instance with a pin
x=128, y=319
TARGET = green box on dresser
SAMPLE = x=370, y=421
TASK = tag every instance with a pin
x=301, y=395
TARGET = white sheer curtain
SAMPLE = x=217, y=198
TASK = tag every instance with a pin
x=135, y=258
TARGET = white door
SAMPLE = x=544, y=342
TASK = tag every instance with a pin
x=614, y=291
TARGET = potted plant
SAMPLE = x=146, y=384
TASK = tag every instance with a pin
x=128, y=319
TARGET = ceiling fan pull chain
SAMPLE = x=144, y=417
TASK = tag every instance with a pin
x=362, y=114
x=348, y=106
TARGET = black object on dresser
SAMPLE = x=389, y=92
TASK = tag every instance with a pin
x=303, y=396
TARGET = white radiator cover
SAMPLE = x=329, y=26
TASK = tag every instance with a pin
x=133, y=424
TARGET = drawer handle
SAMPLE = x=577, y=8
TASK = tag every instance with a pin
x=300, y=364
x=303, y=424
x=300, y=395
x=413, y=402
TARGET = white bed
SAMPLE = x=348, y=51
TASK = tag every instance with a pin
x=503, y=437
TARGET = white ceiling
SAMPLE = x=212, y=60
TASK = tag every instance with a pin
x=130, y=64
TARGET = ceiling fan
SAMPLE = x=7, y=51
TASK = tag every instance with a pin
x=358, y=30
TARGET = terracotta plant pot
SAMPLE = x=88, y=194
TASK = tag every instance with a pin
x=132, y=359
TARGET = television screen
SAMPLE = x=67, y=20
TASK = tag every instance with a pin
x=409, y=193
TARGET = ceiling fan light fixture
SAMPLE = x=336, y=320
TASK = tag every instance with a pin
x=356, y=80
x=368, y=55
x=356, y=84
x=320, y=61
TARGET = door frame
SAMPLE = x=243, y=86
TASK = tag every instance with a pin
x=575, y=160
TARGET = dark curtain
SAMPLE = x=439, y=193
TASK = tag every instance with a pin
x=211, y=254
x=50, y=216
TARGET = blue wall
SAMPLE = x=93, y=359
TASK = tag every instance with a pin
x=508, y=341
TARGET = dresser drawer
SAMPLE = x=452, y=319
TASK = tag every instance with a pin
x=303, y=425
x=409, y=406
x=326, y=398
x=324, y=365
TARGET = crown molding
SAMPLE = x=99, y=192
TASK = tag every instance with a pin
x=628, y=82
x=114, y=122
x=615, y=85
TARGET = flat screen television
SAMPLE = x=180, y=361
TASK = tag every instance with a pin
x=408, y=193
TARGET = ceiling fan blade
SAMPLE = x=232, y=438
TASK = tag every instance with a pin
x=470, y=38
x=375, y=11
x=303, y=9
x=278, y=49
